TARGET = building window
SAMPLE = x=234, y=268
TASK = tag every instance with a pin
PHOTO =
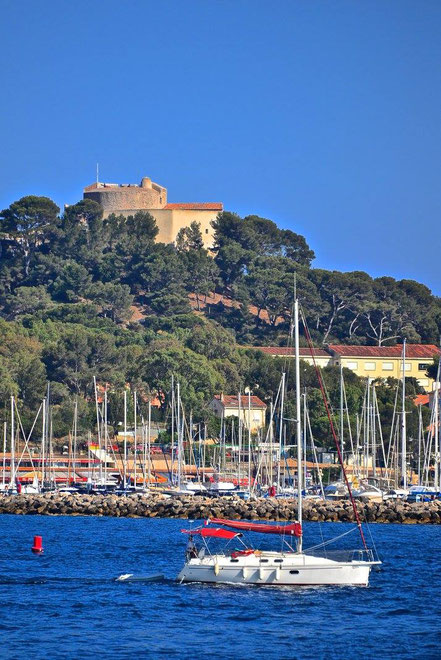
x=423, y=366
x=206, y=231
x=352, y=365
x=407, y=366
x=388, y=366
x=369, y=366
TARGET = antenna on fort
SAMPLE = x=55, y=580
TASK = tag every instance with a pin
x=97, y=172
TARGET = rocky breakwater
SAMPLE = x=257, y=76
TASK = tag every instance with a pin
x=156, y=506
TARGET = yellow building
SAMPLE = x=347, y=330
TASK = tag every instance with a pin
x=251, y=409
x=369, y=361
x=387, y=361
x=128, y=198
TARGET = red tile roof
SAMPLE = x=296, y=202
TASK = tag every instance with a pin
x=412, y=351
x=232, y=401
x=289, y=352
x=196, y=206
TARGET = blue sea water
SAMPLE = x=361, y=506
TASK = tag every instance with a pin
x=66, y=604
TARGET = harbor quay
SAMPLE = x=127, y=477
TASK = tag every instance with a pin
x=155, y=505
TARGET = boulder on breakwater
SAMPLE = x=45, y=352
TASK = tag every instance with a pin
x=155, y=505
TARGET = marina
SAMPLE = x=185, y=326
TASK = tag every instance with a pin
x=253, y=452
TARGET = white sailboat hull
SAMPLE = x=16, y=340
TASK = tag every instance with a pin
x=276, y=569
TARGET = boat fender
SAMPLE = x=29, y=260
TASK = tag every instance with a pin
x=261, y=573
x=216, y=568
x=277, y=576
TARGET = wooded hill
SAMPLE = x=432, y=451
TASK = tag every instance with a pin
x=83, y=296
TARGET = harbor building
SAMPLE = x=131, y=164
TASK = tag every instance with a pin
x=128, y=198
x=251, y=410
x=387, y=361
x=370, y=361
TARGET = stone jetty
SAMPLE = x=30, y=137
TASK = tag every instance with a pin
x=155, y=505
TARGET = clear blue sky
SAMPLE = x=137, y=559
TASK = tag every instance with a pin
x=324, y=116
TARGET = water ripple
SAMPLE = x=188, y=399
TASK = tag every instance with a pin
x=67, y=604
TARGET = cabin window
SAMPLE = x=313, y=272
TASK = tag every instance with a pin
x=234, y=561
x=264, y=561
x=294, y=572
x=278, y=561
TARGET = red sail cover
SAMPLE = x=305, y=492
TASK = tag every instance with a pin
x=209, y=531
x=293, y=529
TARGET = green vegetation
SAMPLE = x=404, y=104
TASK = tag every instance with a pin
x=83, y=296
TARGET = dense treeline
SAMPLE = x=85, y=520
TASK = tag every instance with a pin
x=83, y=296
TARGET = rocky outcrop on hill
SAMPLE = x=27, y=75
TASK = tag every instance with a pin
x=156, y=506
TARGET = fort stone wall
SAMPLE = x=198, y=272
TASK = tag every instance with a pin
x=127, y=199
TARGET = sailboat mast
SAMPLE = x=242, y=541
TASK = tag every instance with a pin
x=403, y=422
x=75, y=431
x=436, y=439
x=298, y=420
x=178, y=424
x=172, y=427
x=239, y=440
x=43, y=442
x=106, y=436
x=279, y=450
x=342, y=444
x=98, y=430
x=148, y=442
x=125, y=439
x=249, y=440
x=135, y=421
x=12, y=461
x=420, y=434
x=5, y=435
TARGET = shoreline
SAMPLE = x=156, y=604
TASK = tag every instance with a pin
x=195, y=507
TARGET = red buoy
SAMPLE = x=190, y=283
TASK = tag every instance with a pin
x=37, y=548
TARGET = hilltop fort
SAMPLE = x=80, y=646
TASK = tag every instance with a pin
x=128, y=198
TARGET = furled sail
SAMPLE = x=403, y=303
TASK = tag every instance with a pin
x=293, y=529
